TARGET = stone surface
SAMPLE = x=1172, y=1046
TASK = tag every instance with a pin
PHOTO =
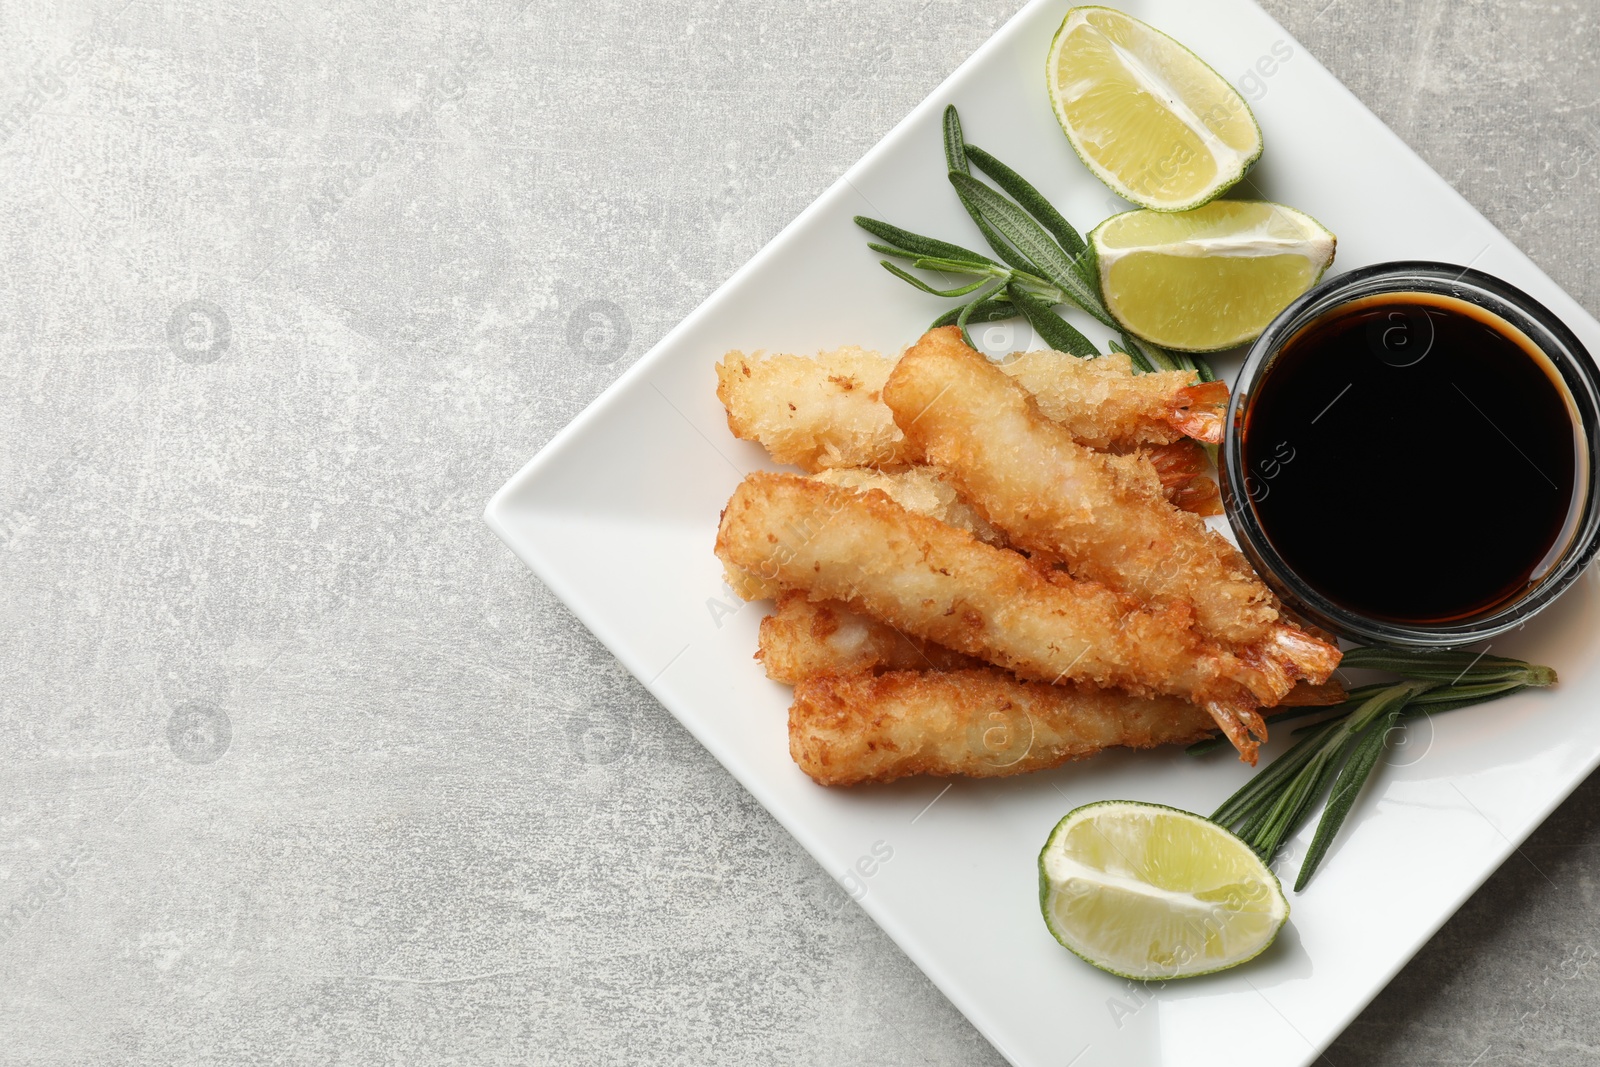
x=299, y=763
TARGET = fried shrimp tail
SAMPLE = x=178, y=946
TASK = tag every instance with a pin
x=849, y=729
x=1049, y=494
x=1181, y=466
x=1200, y=495
x=1198, y=411
x=933, y=581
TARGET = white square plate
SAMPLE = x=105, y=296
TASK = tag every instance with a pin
x=618, y=514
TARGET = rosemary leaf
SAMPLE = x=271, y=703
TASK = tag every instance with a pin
x=1380, y=703
x=1445, y=698
x=958, y=266
x=922, y=246
x=1346, y=787
x=1450, y=667
x=955, y=158
x=1427, y=703
x=1031, y=240
x=1141, y=363
x=1254, y=792
x=1444, y=706
x=1330, y=750
x=1251, y=827
x=1290, y=778
x=997, y=241
x=1438, y=701
x=1190, y=361
x=1290, y=805
x=1088, y=267
x=1023, y=192
x=1153, y=357
x=891, y=250
x=1341, y=752
x=1051, y=328
x=955, y=152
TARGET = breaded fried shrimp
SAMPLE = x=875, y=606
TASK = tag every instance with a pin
x=1049, y=494
x=1105, y=405
x=816, y=414
x=849, y=729
x=804, y=638
x=938, y=583
x=825, y=411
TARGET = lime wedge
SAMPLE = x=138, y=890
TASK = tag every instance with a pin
x=1149, y=892
x=1145, y=114
x=1211, y=278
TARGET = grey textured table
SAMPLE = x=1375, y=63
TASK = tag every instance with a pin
x=297, y=763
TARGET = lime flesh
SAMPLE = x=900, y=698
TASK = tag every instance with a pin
x=1211, y=278
x=1145, y=114
x=1150, y=892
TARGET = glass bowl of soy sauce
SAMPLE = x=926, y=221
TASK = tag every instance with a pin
x=1410, y=456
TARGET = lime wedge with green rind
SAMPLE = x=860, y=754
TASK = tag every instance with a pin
x=1153, y=893
x=1211, y=278
x=1147, y=116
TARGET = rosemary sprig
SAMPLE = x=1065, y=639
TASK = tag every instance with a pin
x=1449, y=667
x=1339, y=754
x=1043, y=262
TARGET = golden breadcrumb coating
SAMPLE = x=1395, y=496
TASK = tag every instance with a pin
x=922, y=490
x=813, y=413
x=825, y=411
x=1100, y=401
x=980, y=723
x=804, y=638
x=849, y=729
x=933, y=581
x=1051, y=495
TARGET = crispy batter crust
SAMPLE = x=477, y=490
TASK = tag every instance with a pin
x=802, y=639
x=1051, y=495
x=848, y=729
x=941, y=584
x=1100, y=401
x=922, y=490
x=814, y=413
x=824, y=412
x=805, y=638
x=943, y=713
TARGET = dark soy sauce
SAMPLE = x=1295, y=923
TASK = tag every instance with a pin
x=1414, y=458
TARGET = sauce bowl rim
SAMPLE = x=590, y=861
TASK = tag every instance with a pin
x=1552, y=336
